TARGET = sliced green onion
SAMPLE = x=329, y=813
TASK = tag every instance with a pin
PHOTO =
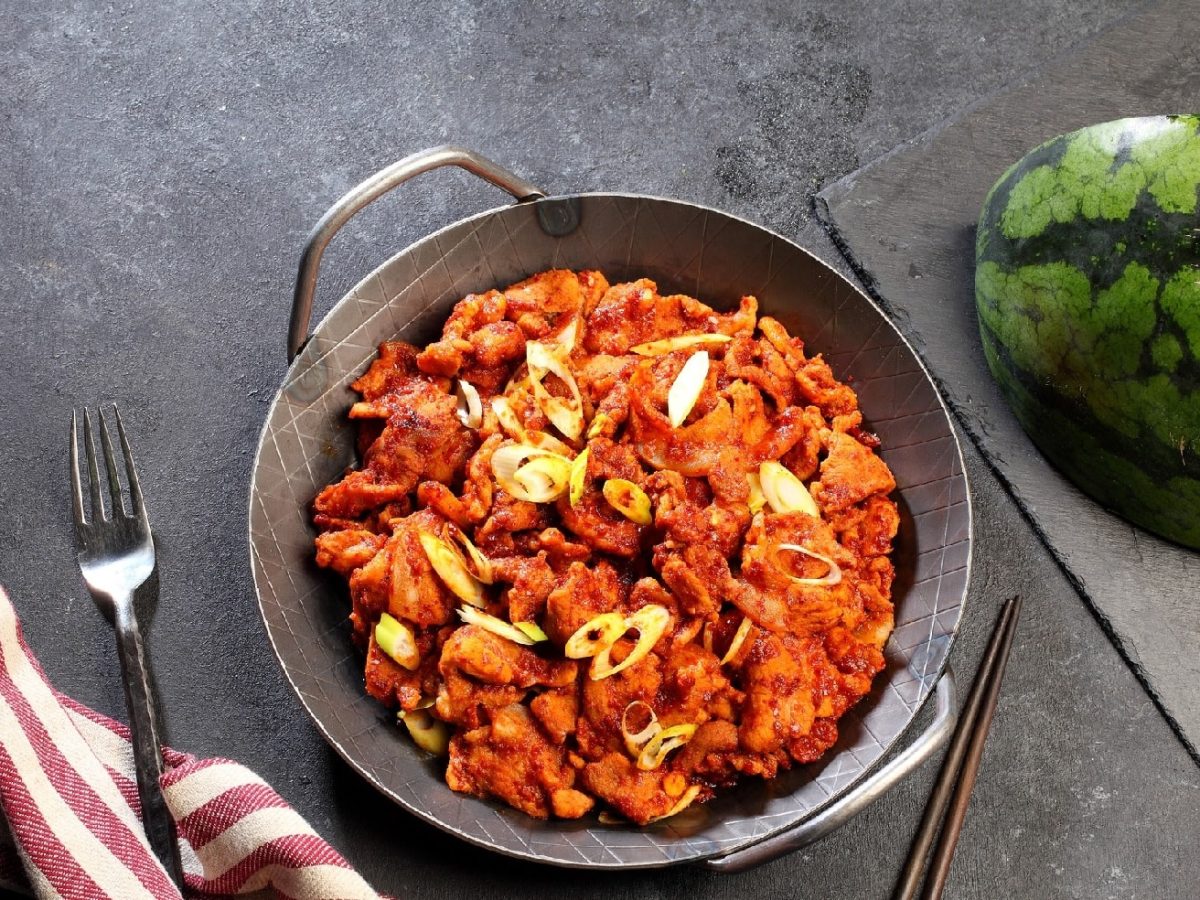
x=578, y=480
x=784, y=491
x=496, y=626
x=451, y=568
x=470, y=408
x=595, y=635
x=681, y=804
x=650, y=621
x=629, y=500
x=635, y=741
x=830, y=578
x=566, y=415
x=686, y=389
x=430, y=734
x=397, y=640
x=679, y=342
x=739, y=638
x=480, y=566
x=757, y=498
x=532, y=631
x=662, y=743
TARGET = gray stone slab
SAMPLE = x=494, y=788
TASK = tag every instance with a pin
x=160, y=165
x=908, y=224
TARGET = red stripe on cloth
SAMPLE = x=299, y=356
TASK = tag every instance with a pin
x=227, y=809
x=79, y=793
x=191, y=767
x=296, y=851
x=38, y=839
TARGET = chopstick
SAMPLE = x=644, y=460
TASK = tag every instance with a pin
x=961, y=766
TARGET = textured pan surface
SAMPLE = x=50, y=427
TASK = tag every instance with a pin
x=307, y=442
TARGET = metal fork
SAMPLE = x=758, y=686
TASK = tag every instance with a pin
x=116, y=556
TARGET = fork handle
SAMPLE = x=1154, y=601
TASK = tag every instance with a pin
x=146, y=740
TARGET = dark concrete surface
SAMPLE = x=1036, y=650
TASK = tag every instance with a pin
x=160, y=166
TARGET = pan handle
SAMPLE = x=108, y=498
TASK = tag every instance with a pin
x=870, y=790
x=371, y=189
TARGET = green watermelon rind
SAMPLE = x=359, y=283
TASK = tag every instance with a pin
x=1093, y=223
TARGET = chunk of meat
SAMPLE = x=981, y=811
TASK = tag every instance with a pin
x=819, y=387
x=849, y=474
x=867, y=529
x=593, y=520
x=778, y=684
x=347, y=550
x=546, y=303
x=482, y=671
x=422, y=439
x=556, y=711
x=477, y=493
x=395, y=364
x=510, y=759
x=399, y=579
x=767, y=591
x=760, y=364
x=694, y=688
x=805, y=454
x=509, y=517
x=583, y=594
x=732, y=418
x=474, y=312
x=634, y=313
x=531, y=580
x=392, y=684
x=638, y=796
x=697, y=574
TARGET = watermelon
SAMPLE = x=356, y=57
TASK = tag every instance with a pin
x=1087, y=285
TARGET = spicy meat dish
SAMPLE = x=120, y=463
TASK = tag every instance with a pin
x=612, y=549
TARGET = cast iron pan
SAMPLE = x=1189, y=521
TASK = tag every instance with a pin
x=307, y=442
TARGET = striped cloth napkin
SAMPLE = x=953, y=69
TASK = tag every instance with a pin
x=68, y=795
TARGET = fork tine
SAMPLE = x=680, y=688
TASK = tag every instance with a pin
x=76, y=487
x=135, y=489
x=110, y=463
x=89, y=447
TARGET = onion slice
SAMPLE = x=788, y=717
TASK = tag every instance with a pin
x=397, y=640
x=784, y=491
x=470, y=407
x=599, y=423
x=635, y=741
x=679, y=342
x=686, y=389
x=681, y=804
x=544, y=441
x=451, y=568
x=650, y=621
x=830, y=578
x=629, y=500
x=578, y=480
x=542, y=479
x=757, y=498
x=496, y=626
x=607, y=628
x=479, y=566
x=566, y=415
x=532, y=631
x=662, y=743
x=508, y=418
x=430, y=734
x=739, y=638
